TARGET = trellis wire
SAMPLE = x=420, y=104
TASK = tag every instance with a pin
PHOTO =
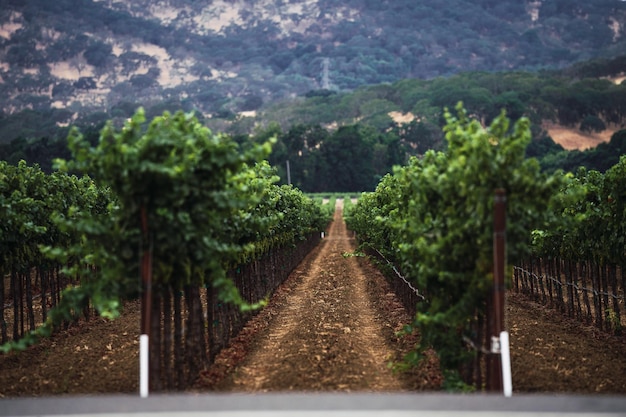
x=415, y=290
x=601, y=304
x=469, y=342
x=213, y=323
x=183, y=323
x=568, y=284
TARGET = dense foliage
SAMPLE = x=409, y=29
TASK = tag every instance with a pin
x=561, y=97
x=172, y=187
x=434, y=219
x=578, y=258
x=588, y=219
x=351, y=158
x=600, y=158
x=37, y=211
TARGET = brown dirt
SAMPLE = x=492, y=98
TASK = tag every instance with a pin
x=100, y=356
x=330, y=333
x=573, y=139
x=552, y=353
x=331, y=326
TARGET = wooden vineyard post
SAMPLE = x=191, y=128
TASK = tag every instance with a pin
x=146, y=306
x=494, y=371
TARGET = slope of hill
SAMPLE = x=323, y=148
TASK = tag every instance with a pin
x=222, y=57
x=574, y=139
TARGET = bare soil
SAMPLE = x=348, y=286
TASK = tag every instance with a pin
x=100, y=356
x=552, y=353
x=334, y=331
x=574, y=139
x=330, y=327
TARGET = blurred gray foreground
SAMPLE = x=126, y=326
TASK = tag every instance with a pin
x=314, y=405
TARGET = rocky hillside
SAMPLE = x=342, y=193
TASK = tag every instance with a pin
x=224, y=57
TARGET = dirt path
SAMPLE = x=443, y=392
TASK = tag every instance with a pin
x=330, y=327
x=326, y=336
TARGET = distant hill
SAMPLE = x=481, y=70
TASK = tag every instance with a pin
x=365, y=132
x=71, y=58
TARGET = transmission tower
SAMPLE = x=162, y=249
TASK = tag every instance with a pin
x=325, y=76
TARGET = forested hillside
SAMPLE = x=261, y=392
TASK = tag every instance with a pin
x=348, y=88
x=68, y=58
x=347, y=141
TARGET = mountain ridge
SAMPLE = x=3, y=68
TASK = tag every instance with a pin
x=223, y=57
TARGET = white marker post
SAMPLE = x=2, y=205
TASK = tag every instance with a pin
x=143, y=365
x=505, y=354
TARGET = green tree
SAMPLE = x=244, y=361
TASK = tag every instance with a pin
x=592, y=124
x=98, y=54
x=302, y=144
x=347, y=161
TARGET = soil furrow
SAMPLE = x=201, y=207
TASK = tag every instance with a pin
x=326, y=335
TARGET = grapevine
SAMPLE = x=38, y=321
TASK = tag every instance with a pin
x=434, y=219
x=209, y=207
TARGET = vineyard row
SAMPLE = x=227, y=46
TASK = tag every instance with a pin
x=586, y=291
x=433, y=219
x=201, y=215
